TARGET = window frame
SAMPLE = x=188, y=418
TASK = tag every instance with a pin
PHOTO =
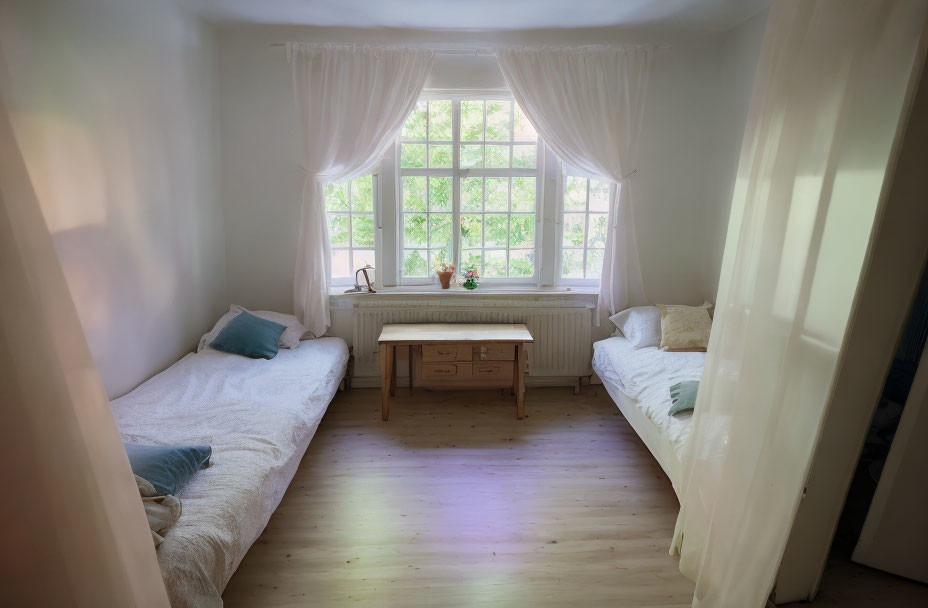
x=457, y=173
x=374, y=214
x=564, y=170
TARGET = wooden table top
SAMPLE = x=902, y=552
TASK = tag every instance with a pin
x=455, y=332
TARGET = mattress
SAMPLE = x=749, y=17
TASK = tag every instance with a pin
x=259, y=416
x=639, y=381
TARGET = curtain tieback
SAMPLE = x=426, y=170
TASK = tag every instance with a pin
x=626, y=177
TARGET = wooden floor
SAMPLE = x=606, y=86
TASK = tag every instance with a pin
x=454, y=502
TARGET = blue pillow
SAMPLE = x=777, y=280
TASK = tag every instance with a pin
x=683, y=396
x=167, y=467
x=249, y=336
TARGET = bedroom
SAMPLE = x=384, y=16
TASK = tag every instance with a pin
x=157, y=172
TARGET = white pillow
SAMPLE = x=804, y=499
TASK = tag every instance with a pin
x=641, y=325
x=289, y=339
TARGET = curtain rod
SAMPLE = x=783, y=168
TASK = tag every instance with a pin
x=477, y=51
x=437, y=51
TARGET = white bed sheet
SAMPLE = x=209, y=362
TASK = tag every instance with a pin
x=643, y=377
x=259, y=417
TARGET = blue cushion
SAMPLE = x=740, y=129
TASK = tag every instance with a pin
x=683, y=396
x=167, y=467
x=249, y=336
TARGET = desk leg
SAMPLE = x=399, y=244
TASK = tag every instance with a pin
x=410, y=369
x=520, y=381
x=393, y=371
x=386, y=374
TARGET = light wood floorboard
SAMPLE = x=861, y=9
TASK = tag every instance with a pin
x=454, y=502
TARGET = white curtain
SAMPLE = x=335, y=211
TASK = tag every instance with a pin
x=587, y=103
x=352, y=102
x=829, y=91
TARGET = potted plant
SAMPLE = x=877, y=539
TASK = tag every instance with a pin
x=445, y=272
x=470, y=279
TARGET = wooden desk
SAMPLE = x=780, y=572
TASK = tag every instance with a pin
x=456, y=355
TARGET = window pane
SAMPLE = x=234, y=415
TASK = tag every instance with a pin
x=496, y=230
x=414, y=193
x=338, y=229
x=440, y=157
x=523, y=129
x=599, y=195
x=472, y=120
x=362, y=231
x=336, y=197
x=362, y=258
x=497, y=194
x=415, y=229
x=594, y=263
x=440, y=230
x=497, y=157
x=596, y=236
x=413, y=155
x=472, y=194
x=572, y=263
x=523, y=194
x=440, y=120
x=414, y=127
x=498, y=119
x=362, y=195
x=341, y=263
x=524, y=157
x=573, y=229
x=521, y=263
x=442, y=255
x=574, y=193
x=522, y=230
x=494, y=264
x=472, y=156
x=472, y=259
x=471, y=231
x=440, y=193
x=415, y=263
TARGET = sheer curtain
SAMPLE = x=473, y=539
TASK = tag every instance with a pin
x=587, y=103
x=829, y=93
x=352, y=101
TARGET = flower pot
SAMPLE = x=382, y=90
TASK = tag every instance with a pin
x=445, y=278
x=470, y=284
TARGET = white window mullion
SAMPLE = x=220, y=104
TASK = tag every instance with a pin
x=456, y=183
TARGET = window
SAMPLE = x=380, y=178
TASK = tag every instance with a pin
x=583, y=228
x=468, y=185
x=469, y=173
x=349, y=210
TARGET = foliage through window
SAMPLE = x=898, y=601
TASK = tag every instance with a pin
x=349, y=210
x=583, y=227
x=468, y=189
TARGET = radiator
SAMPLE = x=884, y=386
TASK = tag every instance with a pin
x=563, y=336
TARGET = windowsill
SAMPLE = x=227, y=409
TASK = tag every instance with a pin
x=434, y=294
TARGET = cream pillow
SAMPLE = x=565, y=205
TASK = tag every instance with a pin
x=685, y=328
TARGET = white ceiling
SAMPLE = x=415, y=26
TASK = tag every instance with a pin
x=694, y=15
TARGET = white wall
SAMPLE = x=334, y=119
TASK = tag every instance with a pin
x=112, y=104
x=739, y=52
x=676, y=191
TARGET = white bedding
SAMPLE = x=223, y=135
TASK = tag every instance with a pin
x=644, y=376
x=259, y=416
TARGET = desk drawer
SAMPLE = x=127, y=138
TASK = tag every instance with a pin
x=448, y=370
x=446, y=352
x=494, y=352
x=497, y=370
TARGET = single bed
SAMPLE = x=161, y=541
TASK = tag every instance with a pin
x=259, y=416
x=639, y=381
